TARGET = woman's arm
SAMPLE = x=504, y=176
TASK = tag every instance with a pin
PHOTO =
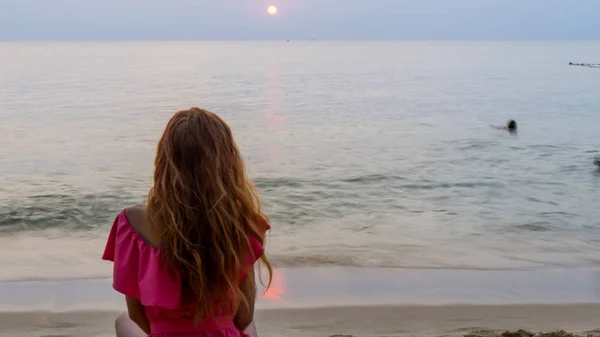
x=137, y=314
x=245, y=314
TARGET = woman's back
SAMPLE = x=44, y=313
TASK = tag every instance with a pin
x=141, y=273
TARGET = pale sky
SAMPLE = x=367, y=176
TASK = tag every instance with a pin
x=299, y=19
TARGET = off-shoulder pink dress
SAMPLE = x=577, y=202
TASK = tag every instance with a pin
x=140, y=272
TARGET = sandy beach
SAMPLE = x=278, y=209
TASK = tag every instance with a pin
x=366, y=321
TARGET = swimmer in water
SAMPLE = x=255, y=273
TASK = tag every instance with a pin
x=511, y=126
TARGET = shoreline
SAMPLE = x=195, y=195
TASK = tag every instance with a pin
x=377, y=307
x=295, y=288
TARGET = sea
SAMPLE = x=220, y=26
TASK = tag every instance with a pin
x=366, y=154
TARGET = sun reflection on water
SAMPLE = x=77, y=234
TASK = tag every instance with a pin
x=276, y=290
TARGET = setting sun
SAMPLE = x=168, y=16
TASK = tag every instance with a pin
x=272, y=10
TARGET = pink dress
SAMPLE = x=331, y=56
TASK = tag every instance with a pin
x=140, y=272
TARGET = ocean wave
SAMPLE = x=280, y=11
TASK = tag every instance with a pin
x=72, y=211
x=287, y=200
x=373, y=178
x=292, y=198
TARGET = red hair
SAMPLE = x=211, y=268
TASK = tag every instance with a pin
x=204, y=209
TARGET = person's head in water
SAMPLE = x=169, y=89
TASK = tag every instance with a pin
x=203, y=208
x=512, y=125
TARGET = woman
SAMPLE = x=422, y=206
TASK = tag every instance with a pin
x=184, y=260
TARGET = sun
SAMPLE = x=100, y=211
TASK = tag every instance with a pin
x=272, y=10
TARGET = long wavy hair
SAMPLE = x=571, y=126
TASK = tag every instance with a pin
x=203, y=209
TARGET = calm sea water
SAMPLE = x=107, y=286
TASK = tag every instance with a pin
x=366, y=154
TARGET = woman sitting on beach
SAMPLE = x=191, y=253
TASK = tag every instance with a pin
x=185, y=259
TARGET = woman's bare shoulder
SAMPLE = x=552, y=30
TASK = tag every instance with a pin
x=137, y=219
x=136, y=214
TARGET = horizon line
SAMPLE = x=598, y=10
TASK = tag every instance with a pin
x=312, y=40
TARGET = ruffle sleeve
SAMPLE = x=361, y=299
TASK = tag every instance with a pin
x=139, y=271
x=256, y=248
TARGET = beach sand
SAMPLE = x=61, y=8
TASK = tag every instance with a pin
x=427, y=320
x=366, y=321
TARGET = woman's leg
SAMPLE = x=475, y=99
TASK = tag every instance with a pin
x=125, y=327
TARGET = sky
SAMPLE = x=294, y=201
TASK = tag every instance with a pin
x=300, y=20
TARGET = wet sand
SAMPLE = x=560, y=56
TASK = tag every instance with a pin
x=295, y=288
x=365, y=321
